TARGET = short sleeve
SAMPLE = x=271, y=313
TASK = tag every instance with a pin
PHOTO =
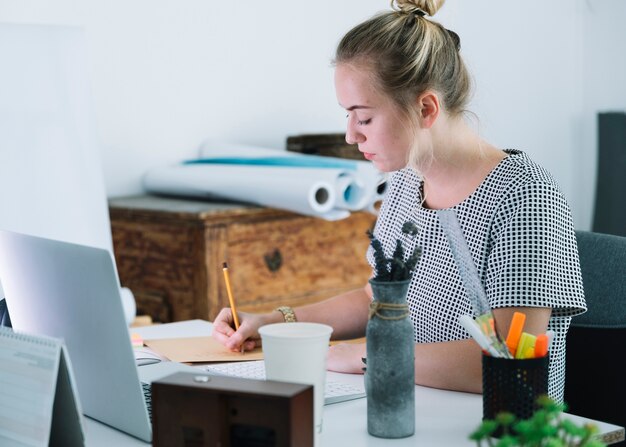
x=533, y=258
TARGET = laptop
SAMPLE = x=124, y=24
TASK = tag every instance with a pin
x=71, y=292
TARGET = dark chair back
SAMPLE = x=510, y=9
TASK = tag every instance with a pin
x=595, y=385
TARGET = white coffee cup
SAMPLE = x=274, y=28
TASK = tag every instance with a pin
x=296, y=353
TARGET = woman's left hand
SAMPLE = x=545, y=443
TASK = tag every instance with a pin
x=346, y=358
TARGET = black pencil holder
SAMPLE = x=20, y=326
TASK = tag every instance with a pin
x=512, y=385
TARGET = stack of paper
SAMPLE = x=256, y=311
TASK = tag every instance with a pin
x=325, y=187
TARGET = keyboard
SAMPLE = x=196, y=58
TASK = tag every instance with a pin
x=335, y=391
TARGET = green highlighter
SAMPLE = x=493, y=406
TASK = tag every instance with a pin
x=526, y=346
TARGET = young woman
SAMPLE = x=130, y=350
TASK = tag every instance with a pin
x=401, y=79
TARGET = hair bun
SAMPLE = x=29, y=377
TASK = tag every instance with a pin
x=428, y=7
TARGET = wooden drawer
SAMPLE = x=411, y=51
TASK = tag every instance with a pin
x=169, y=252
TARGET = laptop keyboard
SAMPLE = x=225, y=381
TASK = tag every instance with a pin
x=334, y=392
x=147, y=395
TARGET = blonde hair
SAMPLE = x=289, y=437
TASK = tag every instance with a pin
x=406, y=55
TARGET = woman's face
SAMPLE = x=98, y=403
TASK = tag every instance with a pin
x=374, y=123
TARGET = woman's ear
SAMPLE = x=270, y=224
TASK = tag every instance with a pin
x=429, y=108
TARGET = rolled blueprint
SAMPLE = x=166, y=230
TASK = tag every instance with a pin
x=308, y=191
x=358, y=187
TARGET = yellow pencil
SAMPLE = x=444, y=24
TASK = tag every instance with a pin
x=233, y=309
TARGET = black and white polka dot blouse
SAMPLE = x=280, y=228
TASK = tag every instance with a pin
x=519, y=230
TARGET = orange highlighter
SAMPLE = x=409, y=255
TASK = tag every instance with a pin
x=515, y=331
x=541, y=346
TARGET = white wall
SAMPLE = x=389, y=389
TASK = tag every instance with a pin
x=168, y=74
x=604, y=90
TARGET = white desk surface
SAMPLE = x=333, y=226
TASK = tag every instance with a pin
x=442, y=418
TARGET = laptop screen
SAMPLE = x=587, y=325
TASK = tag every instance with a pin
x=70, y=291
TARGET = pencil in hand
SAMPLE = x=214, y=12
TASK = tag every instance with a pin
x=233, y=309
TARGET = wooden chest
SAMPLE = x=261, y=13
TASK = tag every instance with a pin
x=170, y=252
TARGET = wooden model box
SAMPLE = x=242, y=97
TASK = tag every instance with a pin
x=169, y=252
x=200, y=410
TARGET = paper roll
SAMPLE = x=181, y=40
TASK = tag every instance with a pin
x=303, y=190
x=326, y=187
x=356, y=188
x=379, y=194
x=350, y=192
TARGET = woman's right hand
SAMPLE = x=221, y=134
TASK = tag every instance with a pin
x=346, y=358
x=248, y=332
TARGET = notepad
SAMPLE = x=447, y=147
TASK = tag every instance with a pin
x=335, y=391
x=199, y=349
x=38, y=398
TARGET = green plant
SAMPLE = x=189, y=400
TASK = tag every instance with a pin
x=395, y=268
x=546, y=428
